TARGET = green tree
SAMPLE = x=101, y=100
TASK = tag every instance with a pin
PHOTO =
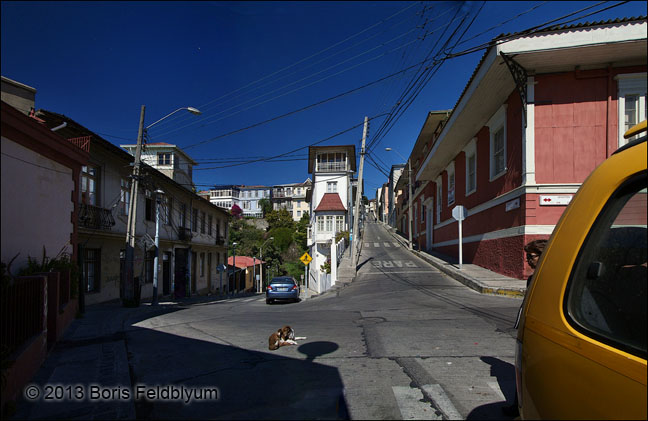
x=266, y=206
x=301, y=233
x=279, y=219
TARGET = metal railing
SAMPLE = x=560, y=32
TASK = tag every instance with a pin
x=94, y=217
x=22, y=311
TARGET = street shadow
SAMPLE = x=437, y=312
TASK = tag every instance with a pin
x=504, y=372
x=250, y=384
x=358, y=267
x=313, y=350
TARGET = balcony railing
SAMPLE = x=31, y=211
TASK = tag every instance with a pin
x=94, y=217
x=331, y=166
x=184, y=234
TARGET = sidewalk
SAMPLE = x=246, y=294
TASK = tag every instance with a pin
x=476, y=277
x=93, y=351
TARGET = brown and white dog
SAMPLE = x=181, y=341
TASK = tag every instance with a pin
x=282, y=337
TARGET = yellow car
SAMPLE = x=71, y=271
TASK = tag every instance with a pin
x=581, y=345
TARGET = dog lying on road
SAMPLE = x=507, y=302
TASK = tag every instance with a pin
x=282, y=337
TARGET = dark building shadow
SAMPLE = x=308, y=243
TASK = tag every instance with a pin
x=250, y=384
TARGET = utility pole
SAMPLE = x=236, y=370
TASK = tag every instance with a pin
x=356, y=211
x=409, y=202
x=128, y=296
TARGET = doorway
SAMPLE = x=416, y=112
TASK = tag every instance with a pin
x=180, y=273
x=166, y=273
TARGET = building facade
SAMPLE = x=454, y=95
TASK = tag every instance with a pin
x=332, y=168
x=540, y=112
x=193, y=233
x=249, y=197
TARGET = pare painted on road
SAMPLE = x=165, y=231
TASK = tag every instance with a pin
x=393, y=263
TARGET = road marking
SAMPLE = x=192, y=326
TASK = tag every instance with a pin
x=387, y=245
x=376, y=244
x=392, y=263
x=442, y=401
x=367, y=245
x=411, y=404
x=409, y=272
x=395, y=244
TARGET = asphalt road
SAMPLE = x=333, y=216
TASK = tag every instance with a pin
x=403, y=341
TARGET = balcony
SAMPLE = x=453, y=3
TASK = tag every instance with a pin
x=94, y=217
x=184, y=234
x=331, y=167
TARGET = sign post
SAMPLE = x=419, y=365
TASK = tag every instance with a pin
x=459, y=213
x=306, y=259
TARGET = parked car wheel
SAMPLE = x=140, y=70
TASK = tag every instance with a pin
x=268, y=301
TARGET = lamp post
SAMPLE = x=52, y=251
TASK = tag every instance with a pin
x=261, y=258
x=159, y=194
x=409, y=202
x=128, y=289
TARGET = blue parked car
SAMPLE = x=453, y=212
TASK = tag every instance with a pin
x=282, y=288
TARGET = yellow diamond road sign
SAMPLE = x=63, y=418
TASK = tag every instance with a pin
x=306, y=259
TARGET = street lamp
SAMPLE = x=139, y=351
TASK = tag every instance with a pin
x=261, y=258
x=409, y=202
x=159, y=194
x=128, y=289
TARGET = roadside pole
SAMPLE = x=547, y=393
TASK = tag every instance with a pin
x=128, y=297
x=356, y=212
x=459, y=213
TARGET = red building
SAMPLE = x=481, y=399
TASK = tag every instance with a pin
x=540, y=112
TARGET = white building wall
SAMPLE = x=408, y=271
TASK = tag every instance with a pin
x=36, y=204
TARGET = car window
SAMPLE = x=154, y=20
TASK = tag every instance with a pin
x=282, y=281
x=606, y=297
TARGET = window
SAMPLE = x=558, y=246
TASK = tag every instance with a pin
x=183, y=215
x=164, y=158
x=320, y=223
x=298, y=214
x=149, y=262
x=202, y=264
x=451, y=183
x=438, y=199
x=194, y=220
x=331, y=186
x=497, y=129
x=150, y=207
x=422, y=209
x=471, y=166
x=92, y=269
x=415, y=228
x=329, y=223
x=209, y=225
x=631, y=103
x=168, y=209
x=89, y=179
x=339, y=223
x=203, y=220
x=124, y=198
x=331, y=162
x=606, y=297
x=217, y=228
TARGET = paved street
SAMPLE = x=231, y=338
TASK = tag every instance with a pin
x=402, y=341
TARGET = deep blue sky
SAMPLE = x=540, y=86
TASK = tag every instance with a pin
x=242, y=63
